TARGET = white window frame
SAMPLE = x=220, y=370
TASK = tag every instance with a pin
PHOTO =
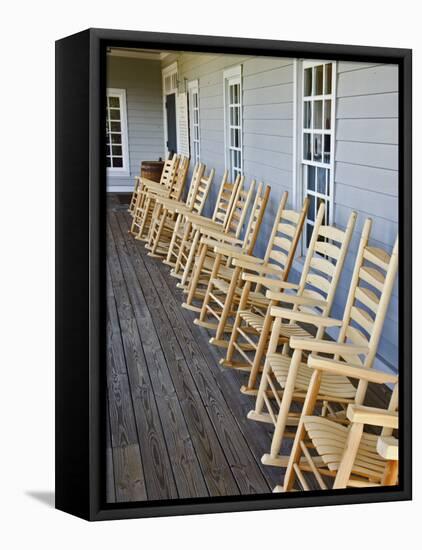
x=125, y=170
x=300, y=190
x=169, y=76
x=232, y=76
x=193, y=89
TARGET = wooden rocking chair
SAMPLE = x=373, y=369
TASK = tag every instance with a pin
x=235, y=212
x=183, y=246
x=182, y=213
x=287, y=378
x=281, y=248
x=205, y=266
x=166, y=181
x=144, y=213
x=165, y=222
x=315, y=291
x=345, y=456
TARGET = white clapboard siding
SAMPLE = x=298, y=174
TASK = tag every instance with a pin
x=366, y=171
x=366, y=152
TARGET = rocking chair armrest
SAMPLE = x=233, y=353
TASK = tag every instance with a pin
x=251, y=263
x=325, y=346
x=352, y=371
x=212, y=238
x=388, y=447
x=301, y=317
x=280, y=284
x=230, y=250
x=262, y=280
x=158, y=192
x=373, y=416
x=297, y=300
x=236, y=252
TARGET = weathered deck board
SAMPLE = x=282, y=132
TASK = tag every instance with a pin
x=245, y=464
x=177, y=419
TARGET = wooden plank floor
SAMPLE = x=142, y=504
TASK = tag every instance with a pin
x=177, y=423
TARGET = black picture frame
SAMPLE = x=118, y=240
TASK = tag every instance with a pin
x=80, y=271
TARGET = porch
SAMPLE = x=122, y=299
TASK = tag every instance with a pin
x=176, y=423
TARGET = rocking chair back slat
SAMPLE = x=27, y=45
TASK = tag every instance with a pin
x=180, y=178
x=202, y=191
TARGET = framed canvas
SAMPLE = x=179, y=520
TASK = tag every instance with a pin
x=233, y=308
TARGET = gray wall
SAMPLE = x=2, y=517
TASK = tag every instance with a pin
x=141, y=79
x=366, y=171
x=267, y=119
x=366, y=153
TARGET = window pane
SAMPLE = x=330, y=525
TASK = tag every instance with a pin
x=328, y=77
x=116, y=139
x=108, y=162
x=327, y=148
x=307, y=146
x=307, y=82
x=321, y=175
x=318, y=79
x=327, y=114
x=307, y=114
x=311, y=211
x=114, y=114
x=236, y=93
x=114, y=102
x=311, y=178
x=231, y=116
x=317, y=147
x=117, y=162
x=115, y=126
x=318, y=115
x=231, y=94
x=117, y=150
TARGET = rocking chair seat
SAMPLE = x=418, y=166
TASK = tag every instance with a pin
x=257, y=298
x=332, y=385
x=257, y=322
x=329, y=439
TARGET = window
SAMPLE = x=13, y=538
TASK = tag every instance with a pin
x=233, y=121
x=317, y=137
x=194, y=120
x=116, y=133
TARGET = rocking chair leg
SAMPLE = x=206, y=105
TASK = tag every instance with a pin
x=260, y=350
x=206, y=301
x=235, y=335
x=285, y=404
x=190, y=258
x=308, y=407
x=352, y=445
x=159, y=231
x=227, y=304
x=195, y=276
x=173, y=238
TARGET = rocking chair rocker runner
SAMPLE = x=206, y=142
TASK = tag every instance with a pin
x=315, y=292
x=276, y=263
x=205, y=266
x=292, y=376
